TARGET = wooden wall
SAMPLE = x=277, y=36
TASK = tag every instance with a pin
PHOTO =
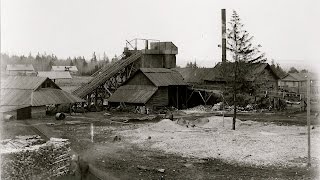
x=267, y=80
x=38, y=111
x=158, y=61
x=160, y=98
x=152, y=61
x=139, y=79
x=170, y=61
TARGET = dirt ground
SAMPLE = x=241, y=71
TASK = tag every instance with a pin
x=124, y=159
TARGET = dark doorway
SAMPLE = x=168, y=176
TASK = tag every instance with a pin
x=24, y=113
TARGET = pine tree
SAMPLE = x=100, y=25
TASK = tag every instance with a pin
x=244, y=54
x=239, y=43
x=105, y=58
x=277, y=69
x=94, y=57
x=293, y=70
x=114, y=59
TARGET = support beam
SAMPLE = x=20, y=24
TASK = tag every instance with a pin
x=207, y=99
x=205, y=103
x=177, y=97
x=190, y=96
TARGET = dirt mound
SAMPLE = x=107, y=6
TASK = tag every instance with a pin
x=223, y=123
x=166, y=125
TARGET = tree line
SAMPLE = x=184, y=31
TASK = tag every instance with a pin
x=44, y=62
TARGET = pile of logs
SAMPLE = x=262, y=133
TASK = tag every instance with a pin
x=40, y=161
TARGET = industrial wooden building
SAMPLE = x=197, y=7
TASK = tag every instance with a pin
x=110, y=78
x=25, y=97
x=259, y=73
x=207, y=84
x=152, y=87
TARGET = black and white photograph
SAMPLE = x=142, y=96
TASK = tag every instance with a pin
x=159, y=90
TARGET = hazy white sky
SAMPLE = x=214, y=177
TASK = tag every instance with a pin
x=288, y=30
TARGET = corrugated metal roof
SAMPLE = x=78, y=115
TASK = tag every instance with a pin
x=65, y=68
x=43, y=96
x=193, y=75
x=133, y=94
x=15, y=97
x=55, y=74
x=163, y=77
x=20, y=67
x=22, y=82
x=254, y=70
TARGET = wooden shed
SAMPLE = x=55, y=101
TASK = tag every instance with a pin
x=27, y=96
x=20, y=69
x=152, y=87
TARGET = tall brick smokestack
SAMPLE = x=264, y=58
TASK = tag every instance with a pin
x=223, y=30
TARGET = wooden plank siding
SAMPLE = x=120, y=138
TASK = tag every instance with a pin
x=268, y=80
x=139, y=79
x=160, y=98
x=152, y=61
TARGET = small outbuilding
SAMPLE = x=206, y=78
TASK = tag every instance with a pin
x=55, y=75
x=20, y=69
x=71, y=69
x=24, y=97
x=152, y=87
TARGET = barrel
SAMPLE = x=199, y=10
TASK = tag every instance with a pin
x=60, y=116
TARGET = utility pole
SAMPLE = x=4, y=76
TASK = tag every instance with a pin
x=308, y=120
x=223, y=30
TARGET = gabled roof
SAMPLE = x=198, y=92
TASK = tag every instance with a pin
x=133, y=94
x=65, y=68
x=163, y=77
x=254, y=70
x=292, y=77
x=43, y=96
x=16, y=97
x=297, y=77
x=20, y=67
x=24, y=82
x=55, y=74
x=193, y=75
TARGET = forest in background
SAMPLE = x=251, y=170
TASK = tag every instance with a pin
x=86, y=67
x=44, y=62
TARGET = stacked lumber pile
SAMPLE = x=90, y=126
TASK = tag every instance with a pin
x=28, y=159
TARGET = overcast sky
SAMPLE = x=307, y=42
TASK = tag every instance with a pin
x=288, y=30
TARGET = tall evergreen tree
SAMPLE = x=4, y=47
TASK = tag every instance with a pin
x=105, y=58
x=243, y=54
x=94, y=57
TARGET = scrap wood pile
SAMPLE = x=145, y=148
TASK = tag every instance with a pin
x=27, y=157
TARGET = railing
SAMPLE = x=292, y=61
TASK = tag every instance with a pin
x=135, y=44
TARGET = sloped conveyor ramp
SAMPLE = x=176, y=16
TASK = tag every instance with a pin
x=108, y=79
